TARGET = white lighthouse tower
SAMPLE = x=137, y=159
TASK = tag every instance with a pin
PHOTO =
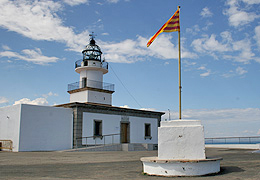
x=91, y=88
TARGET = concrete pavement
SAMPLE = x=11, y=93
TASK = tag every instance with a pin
x=236, y=164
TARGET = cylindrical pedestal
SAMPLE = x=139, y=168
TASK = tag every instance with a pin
x=158, y=167
x=181, y=151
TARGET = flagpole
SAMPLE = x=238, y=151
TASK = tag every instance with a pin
x=179, y=37
x=173, y=24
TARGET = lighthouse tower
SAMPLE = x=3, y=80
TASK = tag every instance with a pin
x=91, y=88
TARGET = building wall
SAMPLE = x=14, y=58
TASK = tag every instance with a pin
x=79, y=96
x=10, y=124
x=91, y=96
x=111, y=125
x=137, y=130
x=45, y=128
x=93, y=75
x=99, y=97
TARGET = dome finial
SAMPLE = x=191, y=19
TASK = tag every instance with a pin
x=92, y=41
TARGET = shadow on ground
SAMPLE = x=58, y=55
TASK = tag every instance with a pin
x=227, y=170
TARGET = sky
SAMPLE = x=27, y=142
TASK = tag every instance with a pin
x=220, y=54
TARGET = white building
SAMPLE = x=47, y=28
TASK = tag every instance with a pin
x=36, y=128
x=88, y=119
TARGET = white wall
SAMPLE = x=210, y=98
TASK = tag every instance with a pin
x=137, y=130
x=93, y=75
x=10, y=124
x=111, y=125
x=91, y=96
x=45, y=128
x=79, y=96
x=99, y=97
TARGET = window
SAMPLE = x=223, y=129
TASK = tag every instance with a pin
x=85, y=63
x=84, y=82
x=147, y=131
x=97, y=128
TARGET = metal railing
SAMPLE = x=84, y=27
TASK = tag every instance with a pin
x=233, y=140
x=91, y=84
x=6, y=145
x=99, y=138
x=80, y=63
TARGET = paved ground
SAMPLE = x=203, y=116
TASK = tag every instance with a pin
x=237, y=164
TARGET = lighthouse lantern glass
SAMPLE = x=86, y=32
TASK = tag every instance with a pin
x=92, y=52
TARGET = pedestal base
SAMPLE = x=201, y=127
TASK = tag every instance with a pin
x=181, y=139
x=162, y=167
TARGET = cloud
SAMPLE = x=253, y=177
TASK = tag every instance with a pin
x=222, y=49
x=240, y=71
x=38, y=101
x=206, y=12
x=113, y=1
x=148, y=109
x=208, y=24
x=3, y=100
x=202, y=68
x=38, y=20
x=105, y=34
x=258, y=133
x=49, y=94
x=76, y=2
x=144, y=109
x=206, y=73
x=124, y=52
x=226, y=36
x=188, y=63
x=223, y=122
x=124, y=106
x=210, y=45
x=193, y=30
x=248, y=132
x=130, y=51
x=215, y=116
x=5, y=47
x=30, y=55
x=245, y=53
x=257, y=36
x=250, y=2
x=238, y=17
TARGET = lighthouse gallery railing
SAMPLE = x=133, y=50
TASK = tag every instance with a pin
x=91, y=84
x=79, y=63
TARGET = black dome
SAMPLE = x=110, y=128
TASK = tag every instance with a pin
x=92, y=51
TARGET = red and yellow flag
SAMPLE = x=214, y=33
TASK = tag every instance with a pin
x=173, y=24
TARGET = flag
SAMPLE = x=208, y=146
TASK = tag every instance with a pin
x=173, y=24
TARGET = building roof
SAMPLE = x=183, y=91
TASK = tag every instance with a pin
x=108, y=109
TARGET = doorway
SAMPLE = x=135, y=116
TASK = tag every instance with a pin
x=84, y=82
x=125, y=132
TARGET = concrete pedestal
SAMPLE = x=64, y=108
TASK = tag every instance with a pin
x=181, y=151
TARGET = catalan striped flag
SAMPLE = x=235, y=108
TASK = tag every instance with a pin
x=173, y=24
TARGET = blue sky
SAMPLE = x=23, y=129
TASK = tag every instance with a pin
x=41, y=40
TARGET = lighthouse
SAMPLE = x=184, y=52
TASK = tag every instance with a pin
x=88, y=119
x=90, y=88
